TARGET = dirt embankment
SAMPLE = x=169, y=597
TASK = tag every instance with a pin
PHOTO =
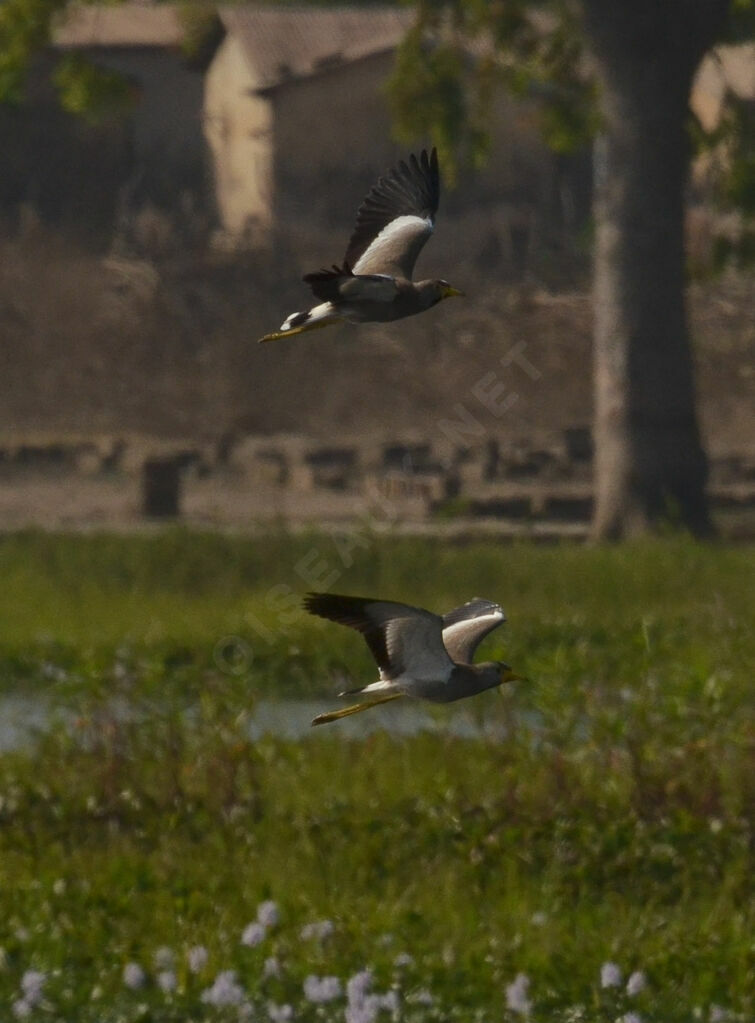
x=167, y=348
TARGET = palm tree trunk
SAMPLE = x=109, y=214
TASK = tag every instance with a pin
x=649, y=462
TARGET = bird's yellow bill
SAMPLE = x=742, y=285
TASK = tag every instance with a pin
x=355, y=708
x=450, y=292
x=507, y=675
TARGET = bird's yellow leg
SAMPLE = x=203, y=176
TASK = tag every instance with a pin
x=355, y=708
x=278, y=334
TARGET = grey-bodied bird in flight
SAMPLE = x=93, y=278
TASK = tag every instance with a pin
x=419, y=654
x=374, y=284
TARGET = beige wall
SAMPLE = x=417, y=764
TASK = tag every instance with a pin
x=238, y=128
x=332, y=134
x=301, y=157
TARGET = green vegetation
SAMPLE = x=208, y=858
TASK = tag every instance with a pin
x=611, y=826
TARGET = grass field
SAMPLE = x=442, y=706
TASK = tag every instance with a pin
x=596, y=865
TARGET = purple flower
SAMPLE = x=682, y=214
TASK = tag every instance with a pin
x=226, y=990
x=254, y=934
x=610, y=975
x=279, y=1013
x=358, y=986
x=32, y=985
x=637, y=982
x=197, y=958
x=133, y=976
x=163, y=958
x=321, y=989
x=166, y=981
x=516, y=994
x=267, y=914
x=319, y=930
x=272, y=967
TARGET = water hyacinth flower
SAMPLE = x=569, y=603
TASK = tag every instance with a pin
x=321, y=989
x=320, y=930
x=226, y=990
x=402, y=960
x=363, y=1006
x=134, y=976
x=163, y=958
x=358, y=986
x=717, y=1014
x=197, y=958
x=21, y=1009
x=630, y=1017
x=637, y=982
x=253, y=934
x=364, y=1012
x=610, y=975
x=267, y=914
x=516, y=994
x=167, y=981
x=279, y=1013
x=32, y=985
x=272, y=967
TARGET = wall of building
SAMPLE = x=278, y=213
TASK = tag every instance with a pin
x=332, y=135
x=83, y=175
x=169, y=152
x=238, y=126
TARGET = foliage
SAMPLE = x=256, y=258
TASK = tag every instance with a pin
x=610, y=826
x=202, y=30
x=24, y=30
x=466, y=49
x=460, y=51
x=83, y=88
x=89, y=91
x=733, y=146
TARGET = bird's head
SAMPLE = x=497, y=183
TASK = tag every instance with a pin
x=446, y=291
x=495, y=673
x=432, y=292
x=507, y=674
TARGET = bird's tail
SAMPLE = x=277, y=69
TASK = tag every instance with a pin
x=355, y=708
x=299, y=323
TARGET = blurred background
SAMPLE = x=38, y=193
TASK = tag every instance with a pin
x=171, y=171
x=175, y=842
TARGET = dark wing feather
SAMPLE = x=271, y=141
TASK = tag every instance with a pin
x=388, y=627
x=411, y=189
x=465, y=627
x=341, y=285
x=326, y=284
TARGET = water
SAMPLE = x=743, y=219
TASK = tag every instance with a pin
x=23, y=717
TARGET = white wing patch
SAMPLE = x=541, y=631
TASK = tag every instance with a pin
x=466, y=632
x=415, y=644
x=396, y=247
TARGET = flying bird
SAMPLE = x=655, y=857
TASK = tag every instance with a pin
x=374, y=283
x=419, y=654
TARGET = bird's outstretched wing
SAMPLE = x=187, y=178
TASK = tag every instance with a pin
x=396, y=218
x=465, y=627
x=403, y=639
